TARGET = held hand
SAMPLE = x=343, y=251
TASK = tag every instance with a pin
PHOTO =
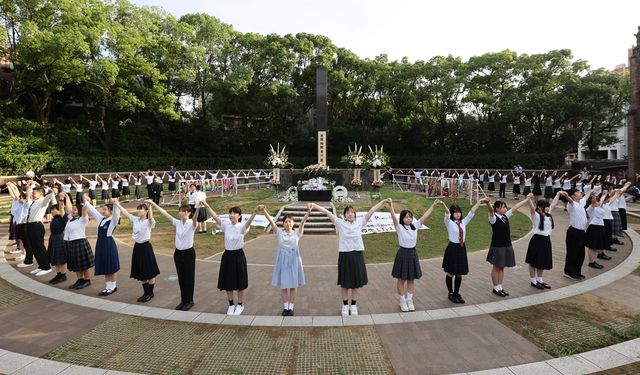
x=309, y=207
x=530, y=196
x=150, y=201
x=114, y=201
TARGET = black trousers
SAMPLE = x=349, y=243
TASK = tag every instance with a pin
x=35, y=235
x=623, y=217
x=575, y=251
x=21, y=232
x=185, y=261
x=502, y=192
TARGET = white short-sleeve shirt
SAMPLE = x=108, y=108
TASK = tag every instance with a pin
x=408, y=237
x=535, y=218
x=75, y=228
x=141, y=228
x=350, y=235
x=233, y=235
x=184, y=233
x=453, y=232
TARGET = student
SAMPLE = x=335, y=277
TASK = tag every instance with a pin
x=503, y=185
x=201, y=196
x=115, y=186
x=56, y=249
x=480, y=178
x=527, y=184
x=617, y=212
x=537, y=190
x=34, y=228
x=352, y=272
x=501, y=253
x=233, y=275
x=516, y=185
x=406, y=265
x=557, y=186
x=191, y=198
x=288, y=273
x=492, y=179
x=539, y=254
x=138, y=185
x=80, y=258
x=107, y=259
x=622, y=210
x=172, y=182
x=144, y=266
x=92, y=188
x=149, y=178
x=184, y=255
x=126, y=191
x=65, y=187
x=19, y=209
x=79, y=192
x=104, y=186
x=455, y=263
x=596, y=238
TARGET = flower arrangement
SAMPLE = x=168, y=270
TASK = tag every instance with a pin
x=316, y=170
x=377, y=183
x=378, y=159
x=355, y=157
x=277, y=158
x=318, y=183
x=356, y=182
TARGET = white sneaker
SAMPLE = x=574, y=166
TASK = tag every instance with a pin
x=345, y=310
x=15, y=251
x=22, y=265
x=410, y=305
x=403, y=305
x=35, y=271
x=353, y=310
x=238, y=310
x=43, y=272
x=18, y=257
x=231, y=309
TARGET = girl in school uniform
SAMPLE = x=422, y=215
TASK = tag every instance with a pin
x=104, y=186
x=107, y=259
x=92, y=188
x=527, y=184
x=622, y=209
x=80, y=258
x=233, y=275
x=352, y=272
x=539, y=255
x=184, y=255
x=537, y=190
x=191, y=198
x=172, y=183
x=480, y=178
x=492, y=181
x=557, y=185
x=455, y=263
x=79, y=192
x=516, y=185
x=144, y=266
x=55, y=247
x=201, y=196
x=616, y=212
x=406, y=266
x=288, y=274
x=115, y=186
x=65, y=187
x=503, y=185
x=596, y=239
x=126, y=191
x=138, y=185
x=501, y=253
x=548, y=186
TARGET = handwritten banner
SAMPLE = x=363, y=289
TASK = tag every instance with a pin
x=380, y=222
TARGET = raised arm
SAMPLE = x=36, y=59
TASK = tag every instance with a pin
x=555, y=200
x=519, y=204
x=329, y=214
x=393, y=212
x=274, y=226
x=68, y=207
x=304, y=219
x=162, y=211
x=126, y=213
x=151, y=218
x=247, y=225
x=373, y=209
x=427, y=213
x=474, y=208
x=212, y=213
x=92, y=210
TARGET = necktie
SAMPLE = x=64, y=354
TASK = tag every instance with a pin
x=460, y=234
x=504, y=219
x=29, y=211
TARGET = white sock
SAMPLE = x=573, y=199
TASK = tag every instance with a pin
x=496, y=288
x=534, y=280
x=408, y=296
x=286, y=305
x=290, y=305
x=107, y=284
x=402, y=299
x=500, y=287
x=540, y=280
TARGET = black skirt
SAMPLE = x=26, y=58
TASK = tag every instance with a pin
x=105, y=194
x=539, y=252
x=596, y=238
x=12, y=228
x=406, y=266
x=455, y=259
x=115, y=193
x=79, y=198
x=126, y=190
x=548, y=192
x=555, y=191
x=623, y=218
x=537, y=190
x=202, y=215
x=481, y=184
x=79, y=255
x=92, y=194
x=352, y=272
x=527, y=190
x=233, y=271
x=21, y=233
x=57, y=250
x=143, y=262
x=172, y=186
x=516, y=188
x=492, y=186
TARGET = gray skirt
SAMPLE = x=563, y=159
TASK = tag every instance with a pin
x=501, y=256
x=406, y=265
x=617, y=224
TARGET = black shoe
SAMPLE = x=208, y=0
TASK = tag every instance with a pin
x=604, y=256
x=142, y=298
x=290, y=312
x=108, y=292
x=180, y=306
x=84, y=284
x=76, y=284
x=459, y=298
x=146, y=298
x=500, y=293
x=59, y=278
x=452, y=298
x=537, y=285
x=582, y=276
x=545, y=285
x=187, y=306
x=285, y=312
x=596, y=265
x=617, y=242
x=611, y=249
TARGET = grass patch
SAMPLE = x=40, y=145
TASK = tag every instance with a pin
x=574, y=325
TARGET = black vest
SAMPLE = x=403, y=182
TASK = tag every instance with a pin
x=501, y=236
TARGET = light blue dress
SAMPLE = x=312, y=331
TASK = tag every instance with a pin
x=287, y=270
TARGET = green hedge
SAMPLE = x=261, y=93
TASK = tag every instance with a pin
x=50, y=163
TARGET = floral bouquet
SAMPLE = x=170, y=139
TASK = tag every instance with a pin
x=356, y=182
x=378, y=159
x=355, y=158
x=318, y=183
x=277, y=158
x=377, y=183
x=316, y=170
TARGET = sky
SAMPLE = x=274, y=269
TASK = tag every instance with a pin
x=600, y=32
